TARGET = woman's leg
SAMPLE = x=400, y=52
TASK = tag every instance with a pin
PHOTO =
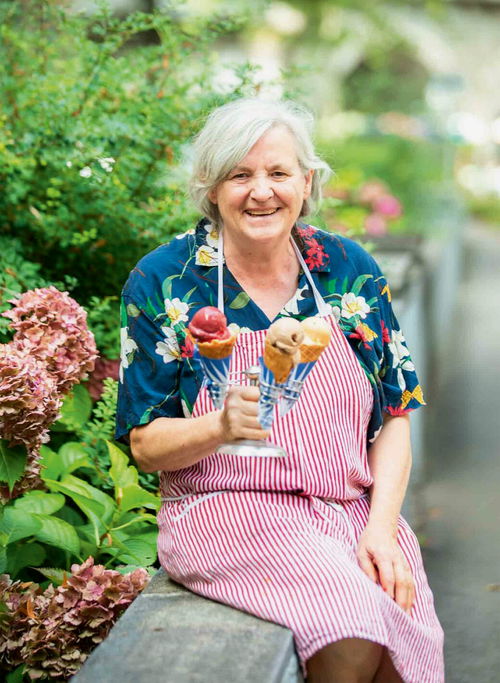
x=352, y=660
x=386, y=673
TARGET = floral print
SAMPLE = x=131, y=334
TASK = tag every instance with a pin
x=160, y=376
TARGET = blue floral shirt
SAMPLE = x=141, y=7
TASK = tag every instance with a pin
x=159, y=376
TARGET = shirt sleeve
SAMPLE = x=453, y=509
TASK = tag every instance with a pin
x=400, y=385
x=149, y=369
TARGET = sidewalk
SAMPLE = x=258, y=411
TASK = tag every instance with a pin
x=462, y=536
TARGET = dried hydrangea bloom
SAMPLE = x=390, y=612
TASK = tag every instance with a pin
x=53, y=327
x=29, y=400
x=53, y=632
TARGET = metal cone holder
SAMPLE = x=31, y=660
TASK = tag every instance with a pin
x=293, y=387
x=269, y=395
x=216, y=371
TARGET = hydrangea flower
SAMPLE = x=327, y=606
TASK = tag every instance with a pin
x=52, y=327
x=52, y=632
x=29, y=399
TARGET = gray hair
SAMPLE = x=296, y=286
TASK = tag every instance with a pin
x=233, y=129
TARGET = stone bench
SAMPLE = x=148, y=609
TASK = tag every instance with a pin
x=171, y=635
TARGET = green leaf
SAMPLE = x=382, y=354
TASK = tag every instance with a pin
x=52, y=466
x=133, y=496
x=138, y=550
x=39, y=501
x=359, y=282
x=24, y=555
x=73, y=485
x=16, y=676
x=56, y=576
x=12, y=463
x=57, y=532
x=75, y=410
x=17, y=524
x=81, y=494
x=3, y=560
x=72, y=455
x=166, y=287
x=240, y=301
x=121, y=473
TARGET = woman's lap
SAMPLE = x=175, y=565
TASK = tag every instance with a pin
x=292, y=560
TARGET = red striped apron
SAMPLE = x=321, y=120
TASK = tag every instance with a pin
x=277, y=537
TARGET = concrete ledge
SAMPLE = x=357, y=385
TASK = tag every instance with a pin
x=171, y=635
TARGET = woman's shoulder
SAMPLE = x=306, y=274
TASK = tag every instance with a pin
x=339, y=252
x=167, y=260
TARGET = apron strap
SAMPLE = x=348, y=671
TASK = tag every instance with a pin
x=324, y=309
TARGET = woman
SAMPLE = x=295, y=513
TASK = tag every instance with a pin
x=313, y=541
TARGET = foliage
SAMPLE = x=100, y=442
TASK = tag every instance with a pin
x=72, y=519
x=390, y=76
x=412, y=169
x=49, y=633
x=93, y=134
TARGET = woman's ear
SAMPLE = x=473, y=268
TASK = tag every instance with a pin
x=308, y=185
x=212, y=195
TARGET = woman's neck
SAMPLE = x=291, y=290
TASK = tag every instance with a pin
x=257, y=260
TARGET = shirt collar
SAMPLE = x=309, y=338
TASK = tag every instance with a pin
x=310, y=242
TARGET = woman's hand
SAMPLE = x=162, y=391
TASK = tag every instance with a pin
x=239, y=415
x=381, y=558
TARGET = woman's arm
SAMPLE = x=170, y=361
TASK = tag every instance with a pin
x=379, y=555
x=174, y=443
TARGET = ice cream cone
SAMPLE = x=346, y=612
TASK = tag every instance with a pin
x=216, y=348
x=279, y=363
x=311, y=352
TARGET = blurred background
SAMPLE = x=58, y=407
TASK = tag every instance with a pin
x=98, y=104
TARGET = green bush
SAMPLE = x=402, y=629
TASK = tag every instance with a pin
x=92, y=135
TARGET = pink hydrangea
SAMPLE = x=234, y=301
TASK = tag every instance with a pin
x=29, y=400
x=53, y=632
x=375, y=225
x=104, y=367
x=388, y=206
x=52, y=327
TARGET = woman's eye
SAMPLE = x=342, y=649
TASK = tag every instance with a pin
x=238, y=176
x=279, y=174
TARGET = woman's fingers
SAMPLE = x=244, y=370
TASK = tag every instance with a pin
x=405, y=588
x=240, y=413
x=367, y=565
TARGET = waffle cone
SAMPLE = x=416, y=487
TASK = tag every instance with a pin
x=311, y=352
x=278, y=362
x=217, y=348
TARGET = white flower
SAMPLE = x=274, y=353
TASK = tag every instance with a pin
x=206, y=256
x=184, y=234
x=69, y=164
x=176, y=310
x=292, y=307
x=336, y=313
x=106, y=163
x=169, y=349
x=375, y=435
x=212, y=237
x=86, y=172
x=354, y=305
x=401, y=380
x=234, y=328
x=398, y=349
x=128, y=347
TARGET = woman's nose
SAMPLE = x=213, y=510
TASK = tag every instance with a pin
x=261, y=188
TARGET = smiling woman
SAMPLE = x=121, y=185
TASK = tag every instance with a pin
x=314, y=540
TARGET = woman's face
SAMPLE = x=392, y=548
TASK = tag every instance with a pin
x=262, y=196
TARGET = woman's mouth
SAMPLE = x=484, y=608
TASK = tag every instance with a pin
x=261, y=212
